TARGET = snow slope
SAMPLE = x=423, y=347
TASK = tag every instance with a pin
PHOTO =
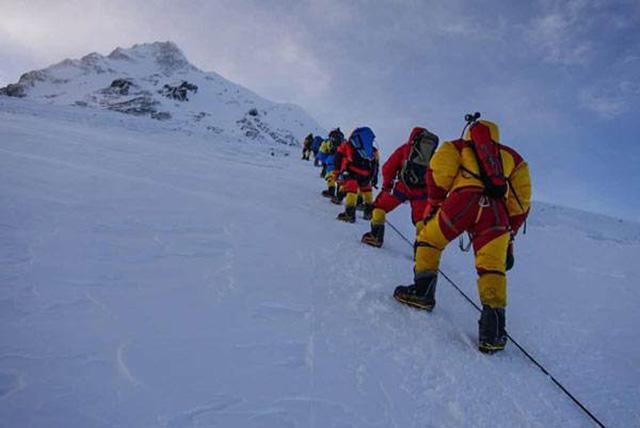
x=156, y=80
x=151, y=278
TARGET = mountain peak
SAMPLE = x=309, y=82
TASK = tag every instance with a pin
x=156, y=80
x=166, y=54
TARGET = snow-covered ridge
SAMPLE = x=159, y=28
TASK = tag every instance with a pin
x=156, y=80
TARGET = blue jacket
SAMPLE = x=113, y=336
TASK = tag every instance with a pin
x=317, y=141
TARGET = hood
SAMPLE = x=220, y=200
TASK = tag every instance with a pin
x=482, y=131
x=415, y=132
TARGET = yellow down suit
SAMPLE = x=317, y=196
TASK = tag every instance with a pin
x=458, y=203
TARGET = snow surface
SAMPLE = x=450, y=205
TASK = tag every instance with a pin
x=162, y=277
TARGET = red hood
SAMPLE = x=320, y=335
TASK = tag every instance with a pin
x=481, y=133
x=414, y=133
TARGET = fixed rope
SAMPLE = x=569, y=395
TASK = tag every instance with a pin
x=521, y=348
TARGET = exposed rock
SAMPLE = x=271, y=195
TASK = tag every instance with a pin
x=249, y=129
x=32, y=77
x=13, y=90
x=161, y=115
x=27, y=80
x=139, y=106
x=198, y=117
x=169, y=56
x=92, y=58
x=253, y=127
x=119, y=54
x=179, y=92
x=119, y=86
x=215, y=129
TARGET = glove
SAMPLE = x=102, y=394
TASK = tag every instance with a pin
x=510, y=258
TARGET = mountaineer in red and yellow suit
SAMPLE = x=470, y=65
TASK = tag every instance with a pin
x=340, y=193
x=458, y=202
x=359, y=169
x=395, y=192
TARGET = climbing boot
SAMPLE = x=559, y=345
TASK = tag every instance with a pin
x=337, y=199
x=492, y=336
x=375, y=237
x=329, y=193
x=420, y=295
x=349, y=215
x=366, y=211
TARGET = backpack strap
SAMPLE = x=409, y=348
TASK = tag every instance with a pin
x=483, y=177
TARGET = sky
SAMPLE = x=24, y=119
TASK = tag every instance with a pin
x=561, y=78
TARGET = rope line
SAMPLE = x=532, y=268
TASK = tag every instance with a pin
x=521, y=348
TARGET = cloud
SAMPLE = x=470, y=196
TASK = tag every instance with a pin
x=594, y=43
x=617, y=92
x=607, y=106
x=305, y=72
x=538, y=68
x=557, y=35
x=610, y=102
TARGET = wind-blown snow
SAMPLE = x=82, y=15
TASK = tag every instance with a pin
x=151, y=278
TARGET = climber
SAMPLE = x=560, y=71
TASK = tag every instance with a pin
x=315, y=148
x=478, y=185
x=358, y=170
x=306, y=147
x=328, y=149
x=403, y=179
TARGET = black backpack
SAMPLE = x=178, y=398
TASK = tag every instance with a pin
x=335, y=139
x=414, y=170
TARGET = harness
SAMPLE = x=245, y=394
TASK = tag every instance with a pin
x=484, y=202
